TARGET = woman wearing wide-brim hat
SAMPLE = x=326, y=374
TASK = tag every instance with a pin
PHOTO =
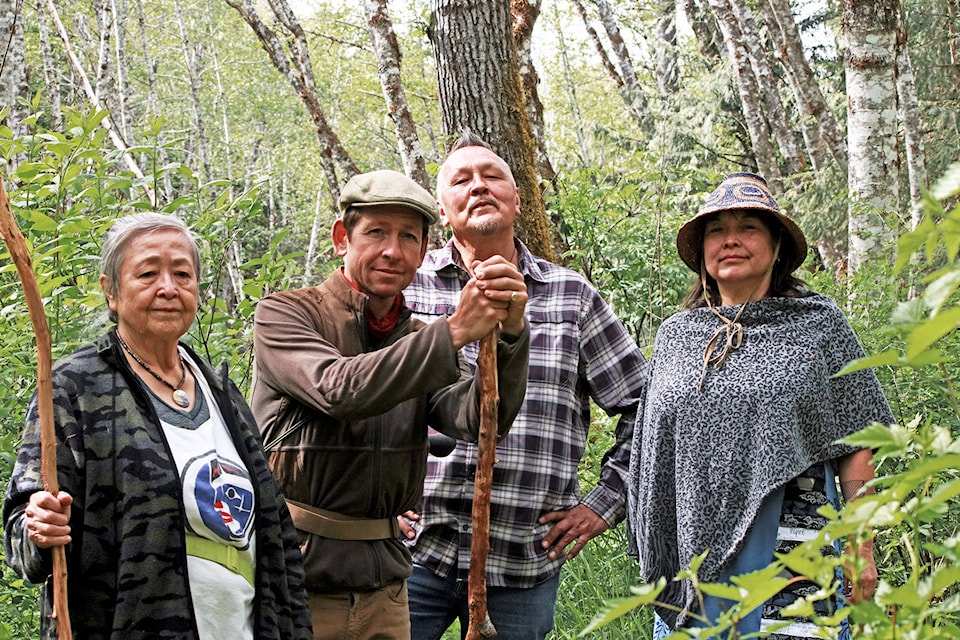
x=737, y=440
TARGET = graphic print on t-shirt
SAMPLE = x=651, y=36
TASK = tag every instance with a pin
x=218, y=497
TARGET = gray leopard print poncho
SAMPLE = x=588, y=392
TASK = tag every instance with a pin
x=704, y=460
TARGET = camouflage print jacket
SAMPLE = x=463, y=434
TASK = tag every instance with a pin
x=127, y=563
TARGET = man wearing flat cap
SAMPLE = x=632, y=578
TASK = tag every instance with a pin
x=346, y=383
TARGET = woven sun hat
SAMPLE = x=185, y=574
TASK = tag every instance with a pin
x=741, y=191
x=388, y=187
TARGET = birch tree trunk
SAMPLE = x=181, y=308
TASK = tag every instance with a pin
x=704, y=28
x=119, y=39
x=387, y=51
x=637, y=101
x=221, y=101
x=50, y=66
x=13, y=73
x=870, y=29
x=106, y=85
x=818, y=123
x=953, y=17
x=751, y=103
x=570, y=88
x=667, y=75
x=608, y=65
x=623, y=73
x=295, y=65
x=91, y=95
x=314, y=241
x=912, y=124
x=153, y=102
x=480, y=88
x=776, y=113
x=193, y=65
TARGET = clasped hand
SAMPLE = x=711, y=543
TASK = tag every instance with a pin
x=496, y=294
x=47, y=519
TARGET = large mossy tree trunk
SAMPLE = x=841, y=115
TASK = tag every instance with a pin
x=479, y=83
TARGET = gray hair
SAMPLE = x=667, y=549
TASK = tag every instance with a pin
x=123, y=231
x=468, y=139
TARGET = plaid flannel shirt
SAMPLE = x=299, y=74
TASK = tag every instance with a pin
x=578, y=350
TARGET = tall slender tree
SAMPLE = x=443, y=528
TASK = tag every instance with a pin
x=294, y=63
x=668, y=73
x=51, y=67
x=751, y=101
x=13, y=68
x=193, y=65
x=912, y=124
x=776, y=114
x=870, y=31
x=623, y=73
x=821, y=133
x=387, y=51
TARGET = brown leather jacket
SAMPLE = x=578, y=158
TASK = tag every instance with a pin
x=346, y=421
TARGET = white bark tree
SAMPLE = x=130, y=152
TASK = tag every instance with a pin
x=94, y=99
x=818, y=124
x=193, y=66
x=623, y=73
x=293, y=61
x=387, y=52
x=870, y=30
x=775, y=112
x=751, y=101
x=912, y=124
x=51, y=66
x=13, y=68
x=668, y=73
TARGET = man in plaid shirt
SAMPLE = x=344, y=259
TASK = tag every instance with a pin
x=578, y=350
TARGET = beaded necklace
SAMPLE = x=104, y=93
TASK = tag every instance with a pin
x=180, y=397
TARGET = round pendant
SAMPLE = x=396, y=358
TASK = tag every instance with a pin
x=181, y=398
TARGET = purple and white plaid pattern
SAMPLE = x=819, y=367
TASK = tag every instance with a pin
x=578, y=350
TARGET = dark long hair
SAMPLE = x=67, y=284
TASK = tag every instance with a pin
x=783, y=283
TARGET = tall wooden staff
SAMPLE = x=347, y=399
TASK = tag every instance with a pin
x=17, y=247
x=480, y=625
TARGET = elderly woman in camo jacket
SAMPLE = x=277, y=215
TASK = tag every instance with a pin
x=173, y=524
x=737, y=444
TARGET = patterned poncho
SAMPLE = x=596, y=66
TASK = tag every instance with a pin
x=703, y=460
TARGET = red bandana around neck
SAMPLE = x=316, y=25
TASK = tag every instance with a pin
x=382, y=327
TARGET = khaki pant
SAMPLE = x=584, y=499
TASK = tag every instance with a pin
x=362, y=615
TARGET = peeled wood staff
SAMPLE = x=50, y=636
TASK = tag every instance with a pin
x=17, y=247
x=480, y=625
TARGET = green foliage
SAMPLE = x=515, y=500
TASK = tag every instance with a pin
x=65, y=195
x=619, y=227
x=913, y=516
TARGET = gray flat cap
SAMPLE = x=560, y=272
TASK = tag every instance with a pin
x=388, y=187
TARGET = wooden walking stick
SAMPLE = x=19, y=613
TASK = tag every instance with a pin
x=480, y=626
x=17, y=247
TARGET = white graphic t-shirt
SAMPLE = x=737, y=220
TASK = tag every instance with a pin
x=219, y=505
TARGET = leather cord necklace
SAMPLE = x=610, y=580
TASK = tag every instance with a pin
x=180, y=397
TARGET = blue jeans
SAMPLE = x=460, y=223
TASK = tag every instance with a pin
x=518, y=614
